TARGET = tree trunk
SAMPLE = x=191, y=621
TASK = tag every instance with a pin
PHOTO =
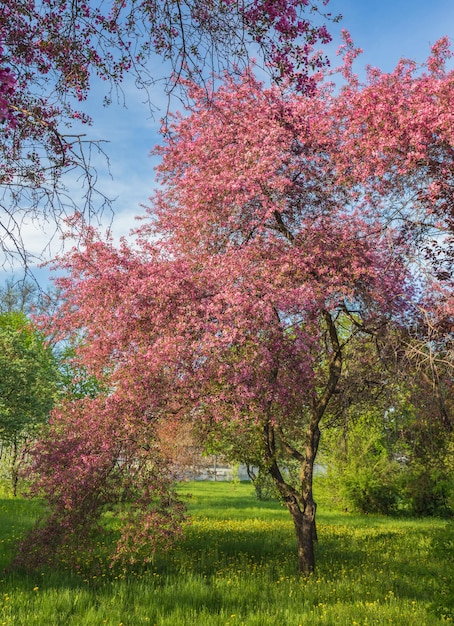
x=305, y=537
x=305, y=527
x=302, y=510
x=300, y=503
x=14, y=468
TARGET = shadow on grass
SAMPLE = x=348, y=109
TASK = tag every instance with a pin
x=229, y=500
x=413, y=558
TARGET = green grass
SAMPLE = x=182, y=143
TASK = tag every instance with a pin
x=238, y=567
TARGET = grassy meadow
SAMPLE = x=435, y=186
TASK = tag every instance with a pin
x=237, y=567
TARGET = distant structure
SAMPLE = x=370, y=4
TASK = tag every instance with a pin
x=216, y=468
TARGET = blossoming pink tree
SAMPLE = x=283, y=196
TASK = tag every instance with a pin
x=274, y=243
x=401, y=127
x=50, y=49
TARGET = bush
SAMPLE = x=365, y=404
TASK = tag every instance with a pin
x=429, y=490
x=371, y=488
x=264, y=486
x=360, y=470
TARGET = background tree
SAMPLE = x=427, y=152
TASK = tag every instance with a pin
x=49, y=50
x=357, y=450
x=388, y=444
x=394, y=455
x=424, y=375
x=26, y=296
x=18, y=296
x=28, y=385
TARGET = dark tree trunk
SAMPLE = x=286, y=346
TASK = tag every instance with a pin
x=302, y=510
x=305, y=525
x=14, y=468
x=300, y=503
x=305, y=538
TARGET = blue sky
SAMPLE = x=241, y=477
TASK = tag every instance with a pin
x=386, y=30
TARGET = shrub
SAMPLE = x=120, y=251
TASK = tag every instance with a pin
x=429, y=490
x=371, y=488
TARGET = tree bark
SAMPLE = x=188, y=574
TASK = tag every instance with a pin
x=14, y=468
x=300, y=503
x=305, y=537
x=302, y=508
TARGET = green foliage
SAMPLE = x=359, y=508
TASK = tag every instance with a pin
x=28, y=387
x=74, y=379
x=393, y=460
x=429, y=488
x=28, y=378
x=428, y=477
x=264, y=486
x=360, y=470
x=371, y=488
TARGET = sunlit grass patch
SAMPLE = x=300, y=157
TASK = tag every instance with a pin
x=237, y=566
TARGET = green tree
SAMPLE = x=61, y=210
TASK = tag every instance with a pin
x=18, y=295
x=28, y=385
x=390, y=444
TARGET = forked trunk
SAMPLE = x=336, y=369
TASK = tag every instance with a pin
x=300, y=503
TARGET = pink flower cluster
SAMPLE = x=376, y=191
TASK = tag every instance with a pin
x=8, y=86
x=280, y=27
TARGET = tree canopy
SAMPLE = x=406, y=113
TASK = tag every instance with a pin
x=28, y=377
x=28, y=385
x=288, y=229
